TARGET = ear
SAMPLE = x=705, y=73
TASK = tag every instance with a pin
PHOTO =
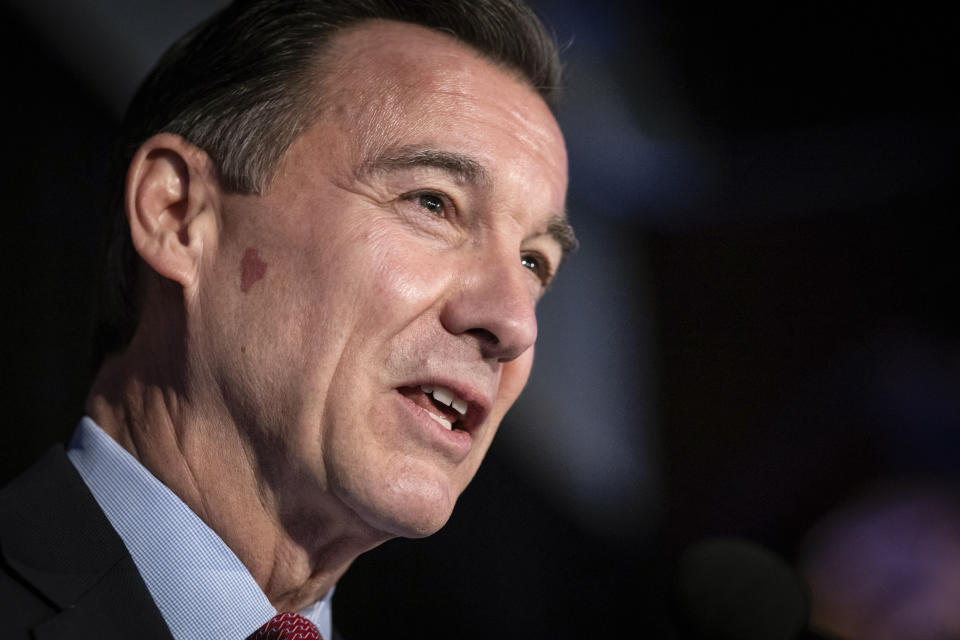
x=173, y=206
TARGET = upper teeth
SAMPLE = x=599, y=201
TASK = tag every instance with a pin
x=447, y=397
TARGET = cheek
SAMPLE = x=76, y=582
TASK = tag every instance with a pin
x=252, y=269
x=409, y=277
x=513, y=379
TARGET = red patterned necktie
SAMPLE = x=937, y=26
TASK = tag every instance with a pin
x=287, y=626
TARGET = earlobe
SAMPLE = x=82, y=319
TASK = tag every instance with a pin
x=172, y=206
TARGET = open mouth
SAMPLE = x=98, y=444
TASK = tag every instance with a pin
x=440, y=403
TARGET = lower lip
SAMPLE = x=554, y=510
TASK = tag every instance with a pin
x=457, y=442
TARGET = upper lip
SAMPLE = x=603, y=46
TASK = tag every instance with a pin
x=478, y=403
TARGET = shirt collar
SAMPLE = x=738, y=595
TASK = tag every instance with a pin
x=200, y=586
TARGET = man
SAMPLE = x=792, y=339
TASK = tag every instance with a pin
x=337, y=222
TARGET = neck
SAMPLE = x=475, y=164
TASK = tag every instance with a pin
x=172, y=427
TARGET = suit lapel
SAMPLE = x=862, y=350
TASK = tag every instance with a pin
x=56, y=538
x=118, y=606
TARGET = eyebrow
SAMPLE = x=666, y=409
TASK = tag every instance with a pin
x=464, y=169
x=560, y=229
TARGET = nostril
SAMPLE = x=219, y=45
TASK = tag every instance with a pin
x=484, y=335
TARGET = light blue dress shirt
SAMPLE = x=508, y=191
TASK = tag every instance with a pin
x=202, y=589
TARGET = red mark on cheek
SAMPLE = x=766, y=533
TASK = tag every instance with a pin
x=252, y=268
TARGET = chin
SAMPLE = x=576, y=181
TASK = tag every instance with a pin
x=419, y=511
x=420, y=528
x=408, y=507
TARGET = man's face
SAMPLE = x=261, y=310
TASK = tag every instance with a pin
x=394, y=261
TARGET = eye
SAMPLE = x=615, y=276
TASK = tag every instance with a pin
x=538, y=265
x=432, y=202
x=429, y=210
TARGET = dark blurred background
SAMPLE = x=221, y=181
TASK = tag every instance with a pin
x=758, y=338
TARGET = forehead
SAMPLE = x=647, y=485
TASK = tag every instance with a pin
x=395, y=84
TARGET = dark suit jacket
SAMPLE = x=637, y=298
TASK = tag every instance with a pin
x=64, y=572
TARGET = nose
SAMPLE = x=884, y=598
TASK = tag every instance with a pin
x=494, y=305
